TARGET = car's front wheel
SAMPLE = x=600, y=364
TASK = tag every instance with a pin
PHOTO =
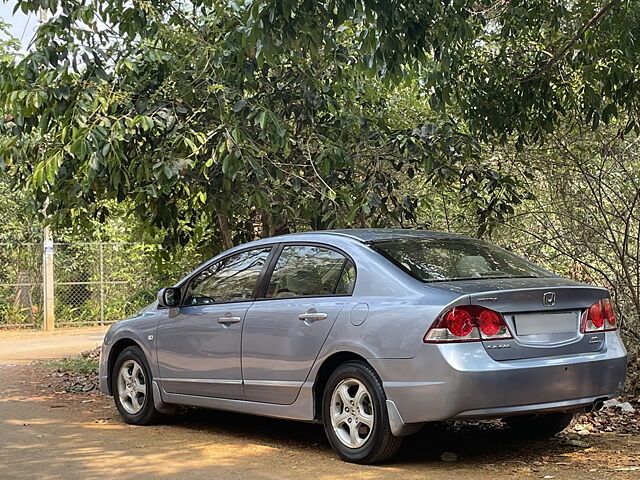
x=539, y=426
x=355, y=415
x=131, y=387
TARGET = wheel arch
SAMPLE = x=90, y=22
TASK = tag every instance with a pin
x=117, y=348
x=327, y=367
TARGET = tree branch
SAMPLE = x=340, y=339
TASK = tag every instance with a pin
x=556, y=58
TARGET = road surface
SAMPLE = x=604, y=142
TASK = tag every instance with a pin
x=26, y=346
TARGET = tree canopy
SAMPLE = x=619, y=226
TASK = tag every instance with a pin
x=298, y=112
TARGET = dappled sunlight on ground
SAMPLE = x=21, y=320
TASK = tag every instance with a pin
x=36, y=421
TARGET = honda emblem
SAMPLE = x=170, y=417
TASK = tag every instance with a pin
x=549, y=299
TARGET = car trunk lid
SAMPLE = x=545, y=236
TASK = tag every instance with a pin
x=543, y=314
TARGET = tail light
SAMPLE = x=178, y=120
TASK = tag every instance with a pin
x=599, y=317
x=468, y=324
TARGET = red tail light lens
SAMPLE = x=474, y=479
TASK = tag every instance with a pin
x=595, y=315
x=459, y=322
x=490, y=322
x=467, y=324
x=599, y=317
x=607, y=313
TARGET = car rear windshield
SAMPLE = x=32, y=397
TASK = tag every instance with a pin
x=442, y=260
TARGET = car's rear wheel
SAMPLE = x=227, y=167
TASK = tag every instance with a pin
x=355, y=416
x=131, y=387
x=539, y=426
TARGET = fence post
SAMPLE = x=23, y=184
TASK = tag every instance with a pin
x=47, y=281
x=101, y=250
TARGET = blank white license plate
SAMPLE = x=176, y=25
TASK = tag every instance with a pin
x=549, y=323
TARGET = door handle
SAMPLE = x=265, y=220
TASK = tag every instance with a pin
x=312, y=316
x=226, y=321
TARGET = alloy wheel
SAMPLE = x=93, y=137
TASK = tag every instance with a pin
x=132, y=386
x=352, y=414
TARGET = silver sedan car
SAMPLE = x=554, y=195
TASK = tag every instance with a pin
x=372, y=333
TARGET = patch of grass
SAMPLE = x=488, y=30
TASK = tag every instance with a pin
x=80, y=364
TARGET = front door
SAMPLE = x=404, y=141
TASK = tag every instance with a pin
x=284, y=331
x=199, y=348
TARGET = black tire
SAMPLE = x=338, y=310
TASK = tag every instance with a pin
x=381, y=444
x=539, y=426
x=148, y=414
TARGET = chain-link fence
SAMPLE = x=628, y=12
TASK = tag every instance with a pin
x=21, y=300
x=94, y=283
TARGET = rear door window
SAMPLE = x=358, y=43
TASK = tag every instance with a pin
x=347, y=279
x=310, y=271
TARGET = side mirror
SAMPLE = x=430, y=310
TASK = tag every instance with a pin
x=169, y=297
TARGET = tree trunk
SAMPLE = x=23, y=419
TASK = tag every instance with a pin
x=225, y=230
x=265, y=220
x=280, y=225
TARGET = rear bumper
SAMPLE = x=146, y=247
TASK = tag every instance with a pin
x=457, y=381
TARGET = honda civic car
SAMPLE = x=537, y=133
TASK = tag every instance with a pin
x=372, y=333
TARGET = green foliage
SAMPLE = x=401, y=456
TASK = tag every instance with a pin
x=203, y=125
x=507, y=68
x=79, y=365
x=9, y=45
x=18, y=226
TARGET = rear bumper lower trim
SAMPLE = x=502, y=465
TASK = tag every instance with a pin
x=565, y=406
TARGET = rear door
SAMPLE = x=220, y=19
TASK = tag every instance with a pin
x=199, y=348
x=284, y=331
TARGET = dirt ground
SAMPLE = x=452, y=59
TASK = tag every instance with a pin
x=49, y=433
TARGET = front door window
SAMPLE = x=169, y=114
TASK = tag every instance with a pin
x=232, y=279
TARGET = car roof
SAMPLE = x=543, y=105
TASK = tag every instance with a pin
x=360, y=235
x=366, y=235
